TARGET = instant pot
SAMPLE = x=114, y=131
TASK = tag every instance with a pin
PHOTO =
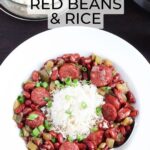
x=144, y=4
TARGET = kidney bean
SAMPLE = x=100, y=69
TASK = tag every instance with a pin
x=29, y=86
x=130, y=97
x=19, y=109
x=90, y=145
x=128, y=129
x=28, y=102
x=54, y=75
x=81, y=146
x=84, y=76
x=53, y=133
x=57, y=145
x=116, y=78
x=35, y=76
x=111, y=133
x=20, y=125
x=134, y=113
x=123, y=113
x=27, y=110
x=26, y=94
x=74, y=58
x=122, y=130
x=60, y=138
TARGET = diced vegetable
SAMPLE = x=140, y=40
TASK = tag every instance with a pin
x=68, y=81
x=70, y=139
x=98, y=60
x=47, y=125
x=31, y=146
x=38, y=84
x=83, y=105
x=102, y=145
x=84, y=69
x=25, y=132
x=41, y=128
x=32, y=116
x=53, y=139
x=122, y=87
x=98, y=111
x=49, y=65
x=127, y=121
x=47, y=136
x=44, y=75
x=94, y=129
x=35, y=132
x=21, y=99
x=16, y=104
x=49, y=104
x=44, y=84
x=110, y=142
x=107, y=62
x=80, y=138
x=17, y=118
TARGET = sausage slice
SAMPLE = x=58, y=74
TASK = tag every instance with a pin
x=112, y=100
x=109, y=112
x=33, y=123
x=69, y=70
x=38, y=95
x=69, y=146
x=101, y=75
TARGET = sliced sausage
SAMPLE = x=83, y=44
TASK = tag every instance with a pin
x=37, y=121
x=109, y=112
x=69, y=70
x=81, y=146
x=35, y=76
x=112, y=100
x=120, y=95
x=69, y=146
x=101, y=75
x=123, y=113
x=96, y=137
x=38, y=95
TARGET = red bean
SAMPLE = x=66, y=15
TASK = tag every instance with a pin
x=19, y=109
x=60, y=138
x=90, y=145
x=29, y=86
x=53, y=133
x=123, y=113
x=57, y=145
x=130, y=97
x=26, y=94
x=28, y=102
x=122, y=130
x=27, y=110
x=35, y=76
x=54, y=75
x=20, y=125
x=134, y=113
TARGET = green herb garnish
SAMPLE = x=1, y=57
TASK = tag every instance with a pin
x=32, y=116
x=53, y=139
x=35, y=132
x=98, y=111
x=83, y=105
x=47, y=125
x=44, y=84
x=70, y=139
x=41, y=128
x=49, y=104
x=80, y=137
x=21, y=99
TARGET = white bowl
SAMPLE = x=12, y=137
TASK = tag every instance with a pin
x=34, y=52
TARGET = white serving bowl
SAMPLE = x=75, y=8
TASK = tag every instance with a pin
x=31, y=54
